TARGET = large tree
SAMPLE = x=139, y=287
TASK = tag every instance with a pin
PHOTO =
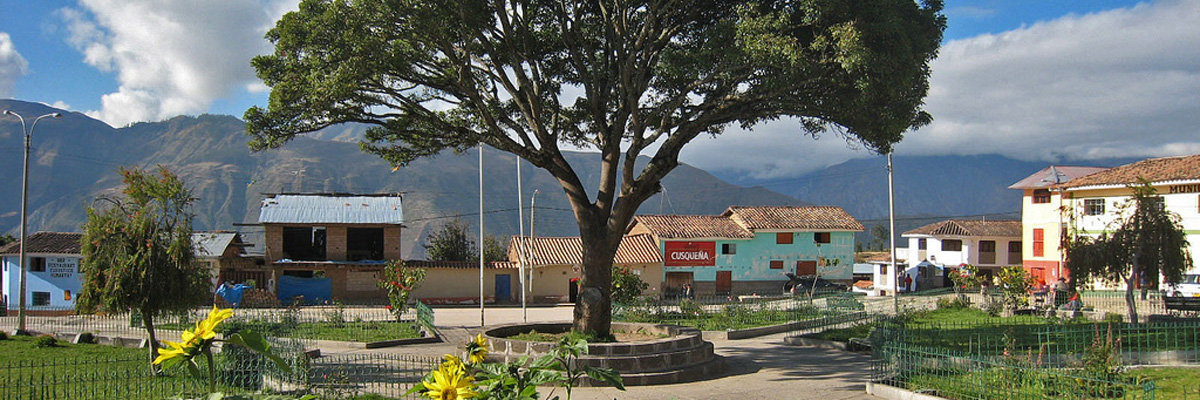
x=137, y=251
x=1143, y=244
x=624, y=78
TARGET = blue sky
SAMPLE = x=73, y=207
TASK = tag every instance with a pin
x=1029, y=70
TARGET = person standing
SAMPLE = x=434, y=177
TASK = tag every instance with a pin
x=908, y=283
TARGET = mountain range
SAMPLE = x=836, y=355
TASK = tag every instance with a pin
x=75, y=159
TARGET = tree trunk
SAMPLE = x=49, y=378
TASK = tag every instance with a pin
x=1129, y=299
x=148, y=323
x=593, y=309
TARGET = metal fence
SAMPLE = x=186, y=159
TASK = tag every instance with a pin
x=957, y=375
x=309, y=323
x=719, y=313
x=237, y=371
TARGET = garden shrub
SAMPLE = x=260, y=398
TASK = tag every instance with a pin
x=3, y=336
x=1113, y=318
x=690, y=307
x=953, y=303
x=45, y=341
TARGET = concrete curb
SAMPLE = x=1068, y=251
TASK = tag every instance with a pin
x=895, y=393
x=427, y=336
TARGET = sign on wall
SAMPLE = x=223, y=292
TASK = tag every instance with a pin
x=62, y=267
x=690, y=254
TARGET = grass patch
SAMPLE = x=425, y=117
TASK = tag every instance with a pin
x=730, y=317
x=617, y=336
x=1173, y=382
x=366, y=331
x=1019, y=383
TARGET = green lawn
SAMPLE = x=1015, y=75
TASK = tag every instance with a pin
x=1173, y=383
x=731, y=317
x=372, y=331
x=955, y=329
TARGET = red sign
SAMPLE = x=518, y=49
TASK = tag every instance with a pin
x=690, y=254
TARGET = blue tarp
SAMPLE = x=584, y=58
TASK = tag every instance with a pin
x=233, y=294
x=314, y=290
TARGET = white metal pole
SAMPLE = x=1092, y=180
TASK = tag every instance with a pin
x=528, y=249
x=892, y=238
x=22, y=262
x=520, y=238
x=481, y=320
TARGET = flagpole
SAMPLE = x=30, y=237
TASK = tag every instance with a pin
x=481, y=261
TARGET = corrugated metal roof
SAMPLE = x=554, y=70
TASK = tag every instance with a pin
x=47, y=242
x=634, y=249
x=693, y=226
x=794, y=218
x=331, y=209
x=1045, y=178
x=954, y=227
x=211, y=244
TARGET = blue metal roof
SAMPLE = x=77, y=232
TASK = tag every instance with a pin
x=331, y=209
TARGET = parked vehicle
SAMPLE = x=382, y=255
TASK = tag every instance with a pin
x=805, y=283
x=1189, y=286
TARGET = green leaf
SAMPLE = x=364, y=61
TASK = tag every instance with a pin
x=193, y=368
x=215, y=396
x=417, y=388
x=258, y=343
x=605, y=375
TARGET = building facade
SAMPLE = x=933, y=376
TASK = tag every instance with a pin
x=1042, y=223
x=988, y=245
x=554, y=264
x=1093, y=204
x=749, y=250
x=334, y=243
x=53, y=280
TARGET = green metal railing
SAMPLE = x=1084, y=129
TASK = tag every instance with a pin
x=332, y=377
x=424, y=315
x=730, y=313
x=962, y=376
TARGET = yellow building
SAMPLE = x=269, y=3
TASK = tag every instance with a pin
x=1041, y=222
x=555, y=264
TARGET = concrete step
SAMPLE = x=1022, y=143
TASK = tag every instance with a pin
x=692, y=373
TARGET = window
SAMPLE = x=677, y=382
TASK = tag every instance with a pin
x=364, y=244
x=1039, y=235
x=921, y=244
x=776, y=264
x=1093, y=207
x=1014, y=252
x=821, y=237
x=1041, y=196
x=304, y=243
x=728, y=248
x=37, y=264
x=41, y=298
x=1014, y=247
x=951, y=245
x=987, y=246
x=783, y=238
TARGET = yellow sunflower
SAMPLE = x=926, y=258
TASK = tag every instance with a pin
x=452, y=363
x=477, y=349
x=172, y=350
x=206, y=329
x=449, y=384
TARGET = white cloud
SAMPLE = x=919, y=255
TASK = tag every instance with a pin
x=59, y=104
x=170, y=57
x=12, y=65
x=1119, y=83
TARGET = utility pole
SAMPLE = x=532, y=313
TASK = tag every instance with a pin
x=892, y=238
x=528, y=250
x=481, y=320
x=521, y=237
x=24, y=264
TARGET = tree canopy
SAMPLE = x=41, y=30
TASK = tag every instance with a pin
x=1144, y=243
x=137, y=250
x=453, y=243
x=624, y=78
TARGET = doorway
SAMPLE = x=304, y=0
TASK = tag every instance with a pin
x=573, y=290
x=675, y=281
x=724, y=282
x=503, y=288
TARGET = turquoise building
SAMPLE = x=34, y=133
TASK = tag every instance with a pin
x=52, y=281
x=748, y=250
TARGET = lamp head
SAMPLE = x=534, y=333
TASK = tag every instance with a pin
x=56, y=115
x=9, y=112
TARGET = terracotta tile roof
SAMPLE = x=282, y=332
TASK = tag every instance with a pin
x=692, y=226
x=794, y=218
x=958, y=227
x=865, y=285
x=1155, y=170
x=47, y=242
x=1045, y=178
x=634, y=249
x=458, y=264
x=885, y=257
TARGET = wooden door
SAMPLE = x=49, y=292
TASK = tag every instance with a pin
x=806, y=268
x=724, y=282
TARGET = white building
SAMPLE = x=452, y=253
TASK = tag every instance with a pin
x=986, y=244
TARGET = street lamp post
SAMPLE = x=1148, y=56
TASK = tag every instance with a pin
x=24, y=212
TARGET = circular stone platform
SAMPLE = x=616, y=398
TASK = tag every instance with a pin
x=682, y=356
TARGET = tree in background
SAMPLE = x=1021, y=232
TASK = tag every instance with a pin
x=453, y=243
x=626, y=286
x=399, y=282
x=137, y=251
x=6, y=239
x=1145, y=243
x=879, y=237
x=625, y=79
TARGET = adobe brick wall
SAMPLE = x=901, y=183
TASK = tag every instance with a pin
x=335, y=242
x=391, y=242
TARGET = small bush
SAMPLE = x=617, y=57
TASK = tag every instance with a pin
x=690, y=307
x=45, y=341
x=1113, y=318
x=3, y=336
x=953, y=303
x=992, y=307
